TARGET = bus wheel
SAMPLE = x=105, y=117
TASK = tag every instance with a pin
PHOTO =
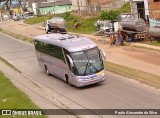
x=47, y=71
x=67, y=80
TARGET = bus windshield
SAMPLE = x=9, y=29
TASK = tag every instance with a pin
x=87, y=62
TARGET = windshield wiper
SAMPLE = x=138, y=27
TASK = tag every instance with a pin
x=87, y=65
x=94, y=67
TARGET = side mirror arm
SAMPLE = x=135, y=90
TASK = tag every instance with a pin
x=70, y=60
x=103, y=54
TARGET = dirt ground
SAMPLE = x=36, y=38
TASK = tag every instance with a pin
x=142, y=59
x=148, y=56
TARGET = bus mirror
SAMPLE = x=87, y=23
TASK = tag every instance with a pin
x=103, y=54
x=70, y=60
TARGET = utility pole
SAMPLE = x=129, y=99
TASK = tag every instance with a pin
x=54, y=6
x=114, y=4
x=79, y=10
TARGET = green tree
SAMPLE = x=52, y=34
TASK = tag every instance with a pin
x=109, y=15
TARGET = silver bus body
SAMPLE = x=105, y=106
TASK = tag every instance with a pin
x=76, y=60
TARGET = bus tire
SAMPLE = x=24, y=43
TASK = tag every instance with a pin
x=67, y=80
x=47, y=71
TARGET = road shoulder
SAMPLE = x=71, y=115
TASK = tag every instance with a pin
x=41, y=95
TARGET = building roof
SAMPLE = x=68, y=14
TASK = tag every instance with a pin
x=70, y=42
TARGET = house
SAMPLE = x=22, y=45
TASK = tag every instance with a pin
x=96, y=5
x=149, y=10
x=3, y=10
x=43, y=7
x=154, y=6
x=83, y=4
x=140, y=8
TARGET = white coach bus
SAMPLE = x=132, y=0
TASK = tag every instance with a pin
x=75, y=59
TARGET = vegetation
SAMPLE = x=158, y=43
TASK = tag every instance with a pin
x=38, y=19
x=126, y=8
x=17, y=36
x=80, y=24
x=112, y=14
x=74, y=23
x=12, y=98
x=109, y=15
x=155, y=43
x=10, y=65
x=143, y=77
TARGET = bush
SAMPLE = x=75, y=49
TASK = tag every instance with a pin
x=109, y=15
x=38, y=19
x=126, y=8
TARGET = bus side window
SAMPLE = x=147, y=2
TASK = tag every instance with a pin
x=37, y=45
x=54, y=51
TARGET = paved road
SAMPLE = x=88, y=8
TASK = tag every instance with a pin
x=116, y=92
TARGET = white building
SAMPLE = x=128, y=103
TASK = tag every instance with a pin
x=141, y=8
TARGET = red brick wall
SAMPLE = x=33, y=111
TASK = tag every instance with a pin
x=154, y=9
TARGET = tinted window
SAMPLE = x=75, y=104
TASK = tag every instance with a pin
x=54, y=51
x=49, y=49
x=37, y=45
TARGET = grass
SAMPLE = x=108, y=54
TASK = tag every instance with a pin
x=12, y=98
x=36, y=20
x=84, y=25
x=143, y=77
x=146, y=48
x=10, y=65
x=126, y=8
x=17, y=36
x=154, y=43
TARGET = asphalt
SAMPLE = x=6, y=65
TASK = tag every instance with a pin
x=140, y=59
x=117, y=92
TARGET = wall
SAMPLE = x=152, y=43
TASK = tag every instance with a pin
x=146, y=7
x=55, y=9
x=82, y=3
x=154, y=9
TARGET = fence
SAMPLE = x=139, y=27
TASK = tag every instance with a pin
x=54, y=9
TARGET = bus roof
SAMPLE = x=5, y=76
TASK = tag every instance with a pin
x=70, y=42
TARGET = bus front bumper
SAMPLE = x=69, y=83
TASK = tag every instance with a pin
x=89, y=81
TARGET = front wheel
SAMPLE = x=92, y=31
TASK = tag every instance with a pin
x=67, y=80
x=47, y=71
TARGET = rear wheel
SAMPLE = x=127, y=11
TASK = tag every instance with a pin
x=47, y=71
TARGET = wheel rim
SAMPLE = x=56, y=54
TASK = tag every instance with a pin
x=47, y=71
